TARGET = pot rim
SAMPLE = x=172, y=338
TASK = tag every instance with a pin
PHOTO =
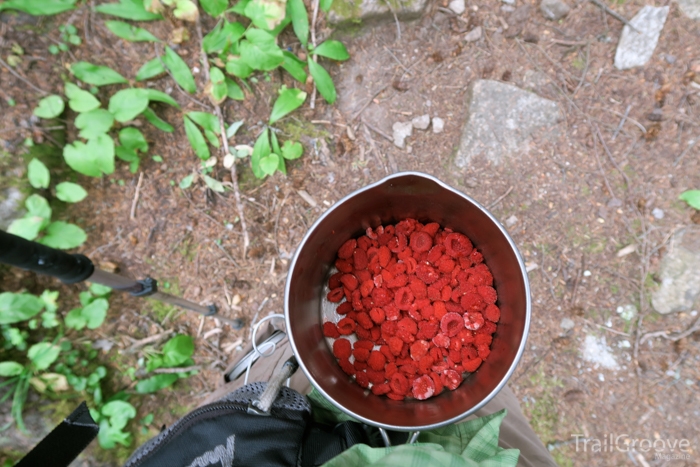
x=528, y=305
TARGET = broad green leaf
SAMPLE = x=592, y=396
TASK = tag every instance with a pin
x=269, y=164
x=288, y=101
x=74, y=319
x=79, y=100
x=239, y=7
x=50, y=107
x=300, y=19
x=130, y=156
x=211, y=137
x=49, y=298
x=39, y=7
x=323, y=81
x=155, y=383
x=70, y=192
x=132, y=138
x=38, y=174
x=150, y=69
x=178, y=350
x=180, y=71
x=118, y=412
x=233, y=129
x=38, y=206
x=218, y=92
x=109, y=437
x=292, y=150
x=199, y=145
x=17, y=307
x=96, y=75
x=127, y=104
x=237, y=67
x=692, y=197
x=10, y=369
x=260, y=150
x=159, y=96
x=294, y=66
x=156, y=121
x=216, y=75
x=277, y=150
x=63, y=235
x=326, y=5
x=332, y=49
x=94, y=158
x=99, y=289
x=206, y=120
x=43, y=354
x=93, y=123
x=214, y=7
x=186, y=10
x=222, y=36
x=265, y=14
x=260, y=51
x=233, y=90
x=127, y=9
x=130, y=32
x=27, y=227
x=186, y=182
x=95, y=313
x=214, y=184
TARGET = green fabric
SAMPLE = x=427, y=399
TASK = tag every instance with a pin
x=469, y=444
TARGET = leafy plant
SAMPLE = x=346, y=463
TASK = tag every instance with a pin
x=692, y=197
x=68, y=36
x=177, y=352
x=39, y=7
x=113, y=417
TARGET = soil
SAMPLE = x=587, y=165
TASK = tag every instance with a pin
x=577, y=200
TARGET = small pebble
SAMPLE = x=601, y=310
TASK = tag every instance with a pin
x=671, y=59
x=586, y=273
x=422, y=122
x=457, y=6
x=566, y=324
x=438, y=125
x=657, y=213
x=511, y=221
x=473, y=35
x=601, y=377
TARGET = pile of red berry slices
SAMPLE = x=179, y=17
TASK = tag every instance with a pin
x=417, y=309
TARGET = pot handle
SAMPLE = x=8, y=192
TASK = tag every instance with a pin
x=412, y=438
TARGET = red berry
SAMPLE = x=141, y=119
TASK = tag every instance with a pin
x=399, y=383
x=342, y=348
x=403, y=298
x=376, y=360
x=451, y=379
x=359, y=258
x=343, y=266
x=330, y=330
x=492, y=313
x=427, y=273
x=441, y=340
x=346, y=250
x=419, y=349
x=421, y=241
x=364, y=320
x=380, y=389
x=451, y=324
x=423, y=388
x=334, y=281
x=470, y=366
x=360, y=354
x=362, y=379
x=377, y=315
x=335, y=295
x=488, y=294
x=346, y=366
x=473, y=321
x=346, y=326
x=457, y=245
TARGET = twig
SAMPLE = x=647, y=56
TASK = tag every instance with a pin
x=600, y=166
x=21, y=78
x=622, y=122
x=499, y=199
x=369, y=101
x=672, y=337
x=148, y=340
x=398, y=25
x=606, y=328
x=132, y=215
x=377, y=155
x=686, y=150
x=397, y=60
x=639, y=125
x=312, y=102
x=607, y=151
x=614, y=14
x=378, y=131
x=160, y=371
x=578, y=280
x=227, y=255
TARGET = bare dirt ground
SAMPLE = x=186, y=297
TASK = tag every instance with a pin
x=578, y=201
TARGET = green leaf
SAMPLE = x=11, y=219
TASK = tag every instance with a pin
x=130, y=32
x=159, y=96
x=265, y=14
x=292, y=150
x=233, y=90
x=223, y=35
x=109, y=437
x=216, y=75
x=692, y=197
x=17, y=307
x=94, y=158
x=326, y=5
x=50, y=107
x=63, y=235
x=214, y=184
x=155, y=383
x=79, y=100
x=332, y=49
x=323, y=81
x=260, y=150
x=199, y=145
x=294, y=66
x=27, y=227
x=288, y=101
x=93, y=123
x=132, y=138
x=38, y=174
x=206, y=120
x=260, y=51
x=127, y=104
x=156, y=121
x=70, y=192
x=10, y=369
x=180, y=71
x=233, y=129
x=150, y=69
x=300, y=19
x=127, y=9
x=237, y=67
x=118, y=412
x=278, y=151
x=43, y=354
x=269, y=164
x=75, y=320
x=39, y=7
x=99, y=289
x=38, y=206
x=211, y=137
x=178, y=350
x=96, y=75
x=239, y=7
x=214, y=7
x=186, y=10
x=49, y=298
x=95, y=313
x=130, y=156
x=186, y=182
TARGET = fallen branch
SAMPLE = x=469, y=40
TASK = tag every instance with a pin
x=312, y=102
x=132, y=215
x=148, y=340
x=161, y=371
x=21, y=78
x=614, y=14
x=672, y=337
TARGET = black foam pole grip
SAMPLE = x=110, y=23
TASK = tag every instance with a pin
x=25, y=254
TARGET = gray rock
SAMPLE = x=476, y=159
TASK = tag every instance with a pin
x=501, y=119
x=473, y=35
x=554, y=9
x=509, y=2
x=352, y=11
x=421, y=123
x=657, y=213
x=679, y=273
x=511, y=221
x=457, y=6
x=10, y=206
x=402, y=130
x=438, y=125
x=691, y=8
x=566, y=324
x=636, y=48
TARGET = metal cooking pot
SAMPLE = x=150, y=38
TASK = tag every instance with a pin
x=427, y=199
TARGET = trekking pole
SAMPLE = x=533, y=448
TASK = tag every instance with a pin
x=73, y=268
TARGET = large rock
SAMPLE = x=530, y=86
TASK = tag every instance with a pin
x=691, y=8
x=501, y=119
x=351, y=11
x=636, y=47
x=554, y=9
x=10, y=206
x=680, y=273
